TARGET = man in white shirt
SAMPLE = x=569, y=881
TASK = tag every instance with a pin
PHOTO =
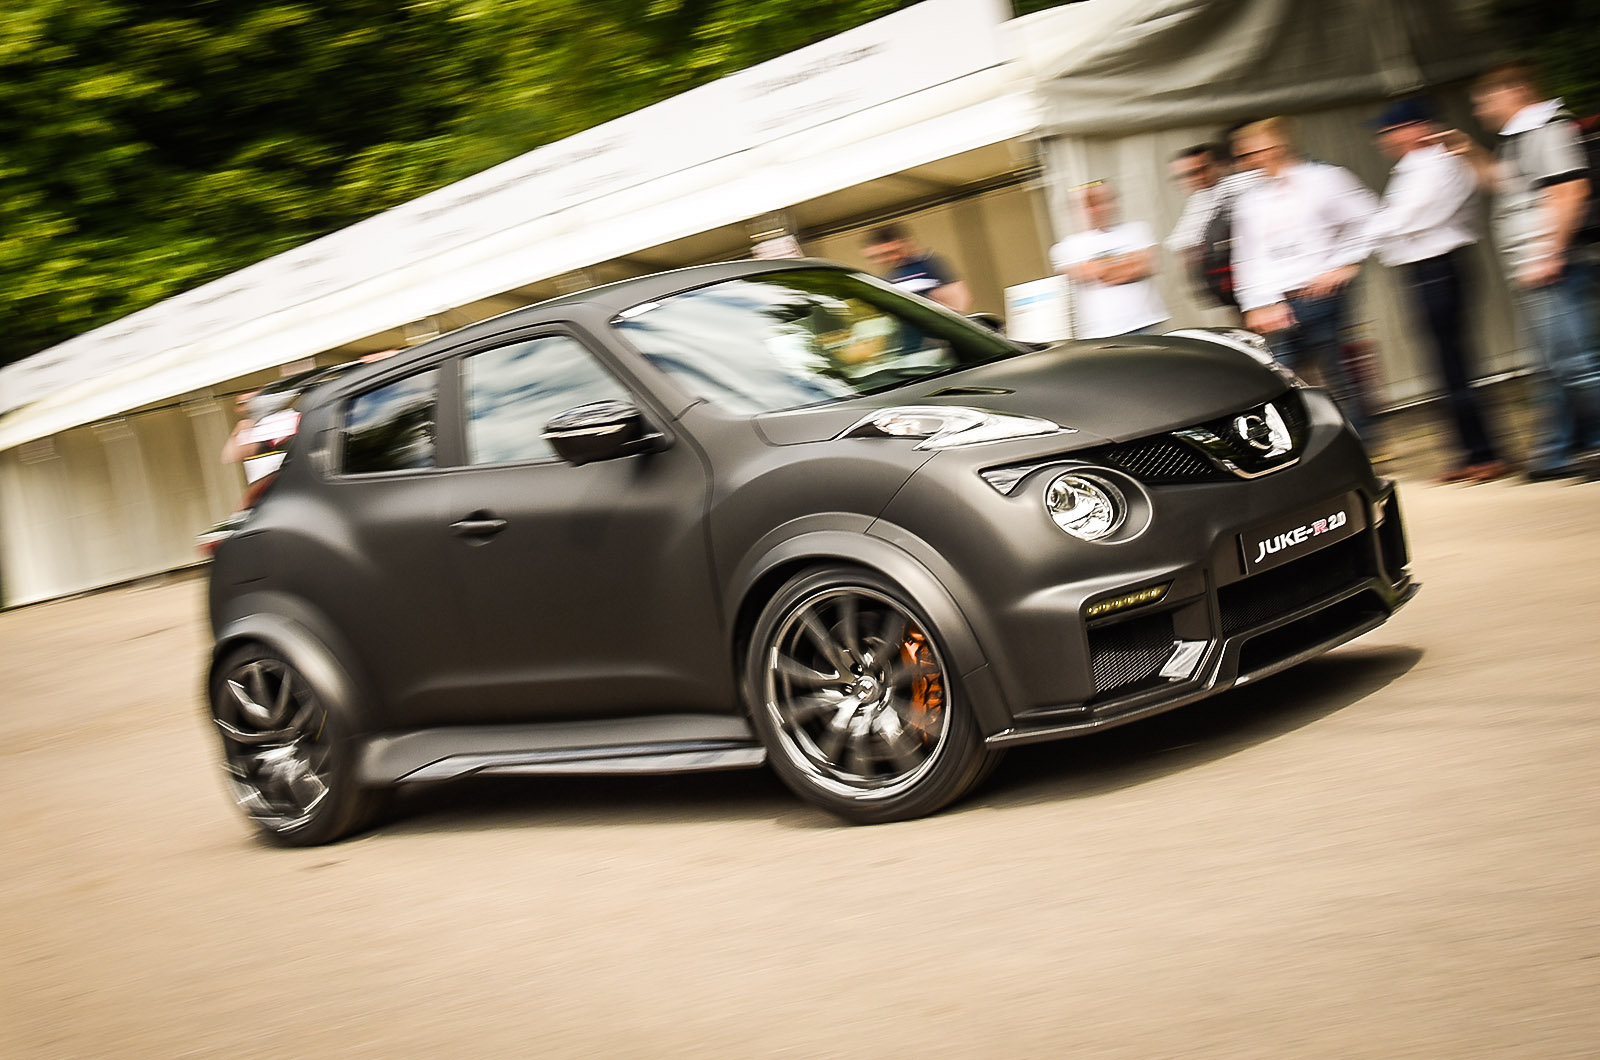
x=1111, y=265
x=1299, y=237
x=1421, y=228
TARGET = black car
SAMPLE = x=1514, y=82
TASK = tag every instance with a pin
x=774, y=512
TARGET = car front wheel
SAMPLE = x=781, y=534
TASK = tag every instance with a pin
x=854, y=699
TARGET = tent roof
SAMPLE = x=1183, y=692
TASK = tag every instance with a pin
x=1109, y=67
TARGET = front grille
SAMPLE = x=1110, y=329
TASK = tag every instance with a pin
x=1221, y=437
x=1162, y=460
x=1202, y=453
x=1129, y=653
x=1265, y=596
x=1292, y=406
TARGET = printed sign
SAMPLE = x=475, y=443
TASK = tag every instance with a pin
x=1302, y=533
x=1039, y=311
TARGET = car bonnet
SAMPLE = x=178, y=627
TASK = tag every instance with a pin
x=1108, y=391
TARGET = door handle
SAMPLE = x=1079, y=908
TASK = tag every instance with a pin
x=478, y=524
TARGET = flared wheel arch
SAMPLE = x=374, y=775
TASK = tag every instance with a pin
x=308, y=651
x=852, y=694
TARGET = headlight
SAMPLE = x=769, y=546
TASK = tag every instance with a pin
x=1085, y=507
x=1245, y=342
x=947, y=426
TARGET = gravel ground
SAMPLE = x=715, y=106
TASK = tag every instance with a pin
x=1391, y=851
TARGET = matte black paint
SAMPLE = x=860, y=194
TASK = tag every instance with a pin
x=622, y=588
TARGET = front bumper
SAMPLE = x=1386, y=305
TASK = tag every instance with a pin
x=1238, y=627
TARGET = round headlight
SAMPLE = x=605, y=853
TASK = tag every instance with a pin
x=1085, y=507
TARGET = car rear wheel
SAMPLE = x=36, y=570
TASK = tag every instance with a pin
x=855, y=701
x=288, y=751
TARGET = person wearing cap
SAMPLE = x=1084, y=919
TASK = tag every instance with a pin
x=1422, y=229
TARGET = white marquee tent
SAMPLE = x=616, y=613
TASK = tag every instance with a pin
x=108, y=442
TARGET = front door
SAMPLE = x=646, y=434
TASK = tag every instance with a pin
x=588, y=588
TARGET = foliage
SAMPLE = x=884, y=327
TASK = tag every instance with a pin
x=151, y=145
x=567, y=65
x=1562, y=39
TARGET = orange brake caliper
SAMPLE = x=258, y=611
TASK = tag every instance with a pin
x=927, y=686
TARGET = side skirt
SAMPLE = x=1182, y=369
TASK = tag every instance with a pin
x=667, y=743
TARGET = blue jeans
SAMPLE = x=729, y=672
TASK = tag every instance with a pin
x=1318, y=339
x=1567, y=390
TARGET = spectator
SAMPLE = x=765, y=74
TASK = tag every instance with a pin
x=240, y=445
x=1111, y=264
x=1539, y=177
x=1421, y=228
x=1203, y=236
x=913, y=268
x=1300, y=235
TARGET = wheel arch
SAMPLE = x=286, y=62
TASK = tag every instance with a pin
x=290, y=629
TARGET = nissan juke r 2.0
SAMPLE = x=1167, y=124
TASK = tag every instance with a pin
x=773, y=513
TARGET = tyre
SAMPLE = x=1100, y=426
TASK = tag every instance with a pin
x=288, y=750
x=854, y=699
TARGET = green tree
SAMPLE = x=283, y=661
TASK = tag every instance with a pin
x=151, y=145
x=568, y=65
x=1563, y=39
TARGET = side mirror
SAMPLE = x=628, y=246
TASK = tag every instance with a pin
x=992, y=321
x=601, y=430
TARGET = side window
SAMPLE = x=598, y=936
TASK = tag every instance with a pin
x=392, y=428
x=513, y=391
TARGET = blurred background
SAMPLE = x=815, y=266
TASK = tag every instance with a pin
x=198, y=198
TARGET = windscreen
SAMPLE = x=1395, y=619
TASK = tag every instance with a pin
x=787, y=339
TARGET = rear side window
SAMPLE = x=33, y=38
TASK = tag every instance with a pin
x=393, y=427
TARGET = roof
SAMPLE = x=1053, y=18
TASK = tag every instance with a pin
x=614, y=297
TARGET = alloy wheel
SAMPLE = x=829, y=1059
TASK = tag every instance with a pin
x=857, y=691
x=278, y=752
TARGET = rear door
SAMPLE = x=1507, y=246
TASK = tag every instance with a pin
x=588, y=588
x=370, y=549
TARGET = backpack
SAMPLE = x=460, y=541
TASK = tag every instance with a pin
x=1589, y=140
x=1214, y=258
